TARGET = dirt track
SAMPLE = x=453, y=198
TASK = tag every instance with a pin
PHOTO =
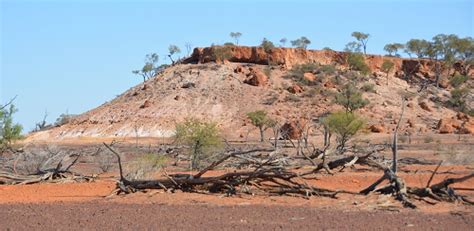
x=108, y=216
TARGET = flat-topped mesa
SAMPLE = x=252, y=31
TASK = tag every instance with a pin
x=289, y=57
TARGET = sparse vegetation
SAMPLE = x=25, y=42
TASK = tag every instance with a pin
x=267, y=45
x=236, y=36
x=173, y=49
x=418, y=47
x=261, y=120
x=283, y=42
x=9, y=130
x=368, y=87
x=144, y=167
x=458, y=99
x=457, y=80
x=350, y=98
x=201, y=136
x=302, y=42
x=356, y=62
x=150, y=69
x=387, y=67
x=345, y=125
x=392, y=49
x=362, y=39
x=298, y=71
x=328, y=69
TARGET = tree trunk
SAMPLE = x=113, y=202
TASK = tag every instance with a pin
x=261, y=134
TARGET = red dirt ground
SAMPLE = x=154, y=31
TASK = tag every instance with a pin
x=83, y=206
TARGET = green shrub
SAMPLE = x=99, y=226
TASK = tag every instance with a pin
x=458, y=98
x=144, y=166
x=458, y=80
x=328, y=69
x=267, y=45
x=345, y=125
x=368, y=87
x=350, y=98
x=261, y=120
x=356, y=62
x=297, y=73
x=200, y=136
x=9, y=131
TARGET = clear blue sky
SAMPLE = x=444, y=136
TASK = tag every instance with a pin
x=75, y=55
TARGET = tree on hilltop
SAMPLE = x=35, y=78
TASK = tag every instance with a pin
x=302, y=42
x=150, y=69
x=362, y=38
x=236, y=36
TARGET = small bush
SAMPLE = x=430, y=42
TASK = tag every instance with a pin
x=458, y=80
x=64, y=119
x=458, y=99
x=9, y=131
x=260, y=120
x=356, y=62
x=267, y=45
x=350, y=98
x=368, y=87
x=345, y=125
x=297, y=73
x=145, y=166
x=271, y=99
x=328, y=69
x=201, y=136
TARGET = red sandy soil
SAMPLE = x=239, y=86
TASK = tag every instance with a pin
x=84, y=206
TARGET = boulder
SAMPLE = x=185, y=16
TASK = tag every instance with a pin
x=309, y=76
x=424, y=105
x=256, y=78
x=467, y=128
x=375, y=128
x=295, y=89
x=448, y=125
x=463, y=117
x=291, y=130
x=146, y=104
x=329, y=84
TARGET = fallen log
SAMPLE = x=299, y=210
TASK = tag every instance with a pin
x=265, y=176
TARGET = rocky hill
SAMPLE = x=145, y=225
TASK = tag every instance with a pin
x=251, y=79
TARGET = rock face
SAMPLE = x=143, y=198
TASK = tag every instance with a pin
x=256, y=78
x=289, y=57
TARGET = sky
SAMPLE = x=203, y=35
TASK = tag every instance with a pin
x=72, y=56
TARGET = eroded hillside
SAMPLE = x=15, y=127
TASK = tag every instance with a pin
x=292, y=85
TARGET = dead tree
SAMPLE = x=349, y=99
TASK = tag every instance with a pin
x=397, y=186
x=268, y=173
